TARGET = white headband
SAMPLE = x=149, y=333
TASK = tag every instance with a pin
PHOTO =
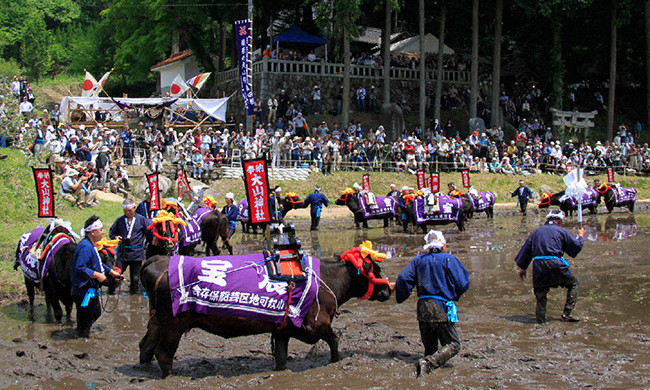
x=129, y=206
x=94, y=226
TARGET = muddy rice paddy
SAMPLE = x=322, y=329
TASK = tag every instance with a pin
x=502, y=346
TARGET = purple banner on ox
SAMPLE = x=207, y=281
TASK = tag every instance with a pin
x=28, y=262
x=385, y=206
x=242, y=207
x=624, y=196
x=191, y=232
x=484, y=201
x=200, y=213
x=589, y=199
x=239, y=286
x=449, y=210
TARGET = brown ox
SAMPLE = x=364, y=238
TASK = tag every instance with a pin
x=340, y=282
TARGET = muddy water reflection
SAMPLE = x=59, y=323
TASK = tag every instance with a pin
x=502, y=346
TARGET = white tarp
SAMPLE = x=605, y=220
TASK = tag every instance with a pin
x=412, y=45
x=216, y=108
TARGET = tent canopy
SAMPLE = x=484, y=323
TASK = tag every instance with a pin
x=412, y=45
x=295, y=37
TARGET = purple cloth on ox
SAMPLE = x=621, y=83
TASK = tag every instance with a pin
x=385, y=207
x=449, y=210
x=200, y=213
x=239, y=286
x=191, y=232
x=624, y=196
x=484, y=202
x=242, y=207
x=589, y=199
x=34, y=269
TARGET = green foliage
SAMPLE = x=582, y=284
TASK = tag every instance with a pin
x=34, y=52
x=10, y=68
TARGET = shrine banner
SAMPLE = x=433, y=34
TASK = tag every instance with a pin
x=435, y=182
x=366, y=182
x=257, y=190
x=182, y=184
x=420, y=174
x=154, y=190
x=610, y=174
x=244, y=41
x=465, y=174
x=44, y=192
x=569, y=168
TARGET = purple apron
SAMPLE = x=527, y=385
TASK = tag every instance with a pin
x=242, y=208
x=385, y=207
x=239, y=286
x=449, y=210
x=200, y=213
x=484, y=201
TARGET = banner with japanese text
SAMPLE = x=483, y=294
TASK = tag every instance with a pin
x=44, y=192
x=465, y=175
x=420, y=175
x=366, y=182
x=435, y=182
x=183, y=185
x=154, y=190
x=257, y=190
x=244, y=43
x=610, y=174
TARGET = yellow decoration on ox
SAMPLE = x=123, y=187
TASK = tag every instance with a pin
x=366, y=250
x=347, y=191
x=106, y=243
x=164, y=216
x=164, y=203
x=291, y=194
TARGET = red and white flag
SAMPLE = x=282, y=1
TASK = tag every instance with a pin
x=154, y=190
x=178, y=87
x=101, y=83
x=256, y=182
x=183, y=183
x=610, y=174
x=465, y=175
x=89, y=86
x=366, y=182
x=420, y=174
x=44, y=192
x=435, y=182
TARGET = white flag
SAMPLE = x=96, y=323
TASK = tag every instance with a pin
x=101, y=83
x=89, y=86
x=178, y=87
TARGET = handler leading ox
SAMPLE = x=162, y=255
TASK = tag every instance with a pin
x=384, y=207
x=175, y=309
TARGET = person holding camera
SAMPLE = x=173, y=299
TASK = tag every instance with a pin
x=131, y=230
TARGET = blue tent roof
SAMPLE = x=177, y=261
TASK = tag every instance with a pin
x=297, y=36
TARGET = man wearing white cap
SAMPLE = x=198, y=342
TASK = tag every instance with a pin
x=317, y=200
x=545, y=248
x=275, y=203
x=522, y=193
x=230, y=211
x=72, y=190
x=131, y=229
x=87, y=273
x=440, y=279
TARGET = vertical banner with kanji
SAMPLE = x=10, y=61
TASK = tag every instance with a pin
x=610, y=174
x=154, y=190
x=44, y=192
x=183, y=185
x=244, y=43
x=257, y=190
x=465, y=175
x=366, y=182
x=435, y=182
x=420, y=175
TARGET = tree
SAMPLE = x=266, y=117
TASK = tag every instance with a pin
x=441, y=45
x=385, y=49
x=422, y=63
x=647, y=62
x=474, y=69
x=612, y=73
x=496, y=63
x=34, y=52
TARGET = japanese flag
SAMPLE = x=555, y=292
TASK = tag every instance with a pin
x=89, y=86
x=178, y=87
x=101, y=83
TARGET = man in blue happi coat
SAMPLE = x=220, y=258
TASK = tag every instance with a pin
x=317, y=201
x=143, y=207
x=522, y=193
x=545, y=248
x=230, y=211
x=440, y=279
x=131, y=229
x=87, y=273
x=275, y=203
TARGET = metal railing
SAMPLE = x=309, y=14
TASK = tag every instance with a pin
x=325, y=69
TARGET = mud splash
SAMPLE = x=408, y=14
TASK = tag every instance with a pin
x=502, y=346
